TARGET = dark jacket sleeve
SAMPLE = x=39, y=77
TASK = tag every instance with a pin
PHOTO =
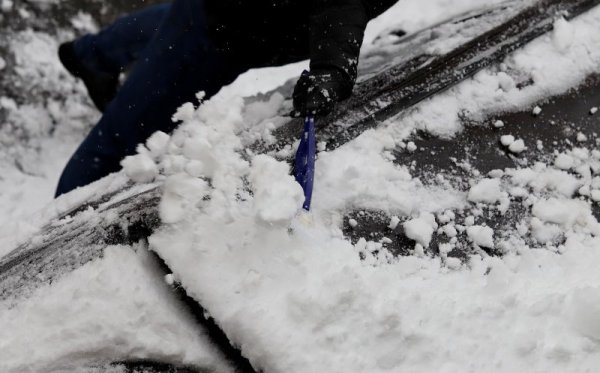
x=336, y=33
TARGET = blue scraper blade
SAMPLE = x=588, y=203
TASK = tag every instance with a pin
x=305, y=160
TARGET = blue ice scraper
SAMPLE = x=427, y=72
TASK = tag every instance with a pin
x=305, y=160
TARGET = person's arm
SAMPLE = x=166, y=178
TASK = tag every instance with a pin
x=336, y=34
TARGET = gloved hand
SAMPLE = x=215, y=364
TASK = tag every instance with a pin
x=318, y=91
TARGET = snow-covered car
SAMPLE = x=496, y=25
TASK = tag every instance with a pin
x=453, y=227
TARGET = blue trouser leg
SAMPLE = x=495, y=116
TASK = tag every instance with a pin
x=115, y=47
x=179, y=61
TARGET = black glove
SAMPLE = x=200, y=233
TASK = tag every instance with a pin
x=318, y=91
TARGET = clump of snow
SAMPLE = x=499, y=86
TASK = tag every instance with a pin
x=481, y=236
x=394, y=221
x=565, y=212
x=518, y=146
x=450, y=230
x=170, y=279
x=564, y=161
x=277, y=199
x=6, y=5
x=541, y=178
x=563, y=34
x=180, y=191
x=545, y=232
x=507, y=140
x=158, y=144
x=84, y=23
x=496, y=174
x=514, y=145
x=421, y=229
x=140, y=168
x=486, y=191
x=536, y=111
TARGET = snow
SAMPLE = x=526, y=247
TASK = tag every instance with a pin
x=514, y=145
x=565, y=212
x=6, y=5
x=34, y=148
x=584, y=311
x=481, y=236
x=412, y=16
x=562, y=35
x=170, y=279
x=486, y=191
x=157, y=144
x=180, y=191
x=112, y=309
x=450, y=230
x=564, y=161
x=394, y=222
x=522, y=301
x=421, y=229
x=507, y=140
x=279, y=281
x=84, y=23
x=518, y=146
x=277, y=198
x=140, y=168
x=411, y=147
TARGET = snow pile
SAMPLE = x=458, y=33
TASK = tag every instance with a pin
x=202, y=163
x=40, y=132
x=541, y=67
x=240, y=216
x=302, y=287
x=299, y=285
x=83, y=320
